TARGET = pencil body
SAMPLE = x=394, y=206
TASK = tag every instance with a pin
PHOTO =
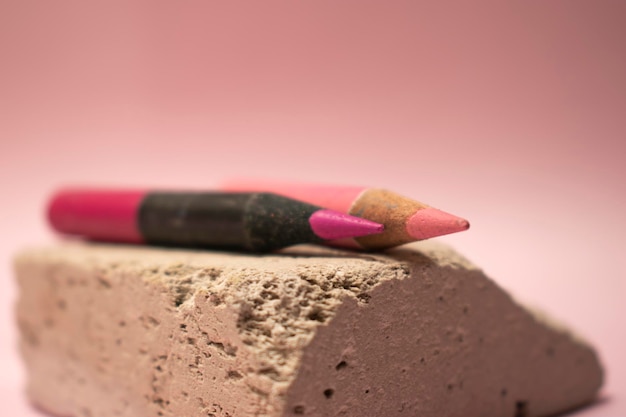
x=405, y=220
x=242, y=221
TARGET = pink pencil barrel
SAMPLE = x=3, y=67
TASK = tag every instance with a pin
x=333, y=197
x=105, y=214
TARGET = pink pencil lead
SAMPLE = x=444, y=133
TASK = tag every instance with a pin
x=329, y=224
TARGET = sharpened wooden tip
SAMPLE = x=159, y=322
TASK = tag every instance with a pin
x=405, y=220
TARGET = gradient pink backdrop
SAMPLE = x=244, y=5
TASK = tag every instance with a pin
x=512, y=114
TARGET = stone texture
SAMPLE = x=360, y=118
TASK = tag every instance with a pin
x=127, y=331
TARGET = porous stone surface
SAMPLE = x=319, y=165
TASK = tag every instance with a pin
x=127, y=331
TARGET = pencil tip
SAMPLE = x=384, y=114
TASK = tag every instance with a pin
x=430, y=222
x=330, y=225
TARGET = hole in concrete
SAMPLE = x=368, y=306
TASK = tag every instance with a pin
x=341, y=365
x=328, y=393
x=521, y=409
x=364, y=298
x=298, y=409
x=316, y=315
x=234, y=375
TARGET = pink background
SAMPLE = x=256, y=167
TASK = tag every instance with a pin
x=511, y=114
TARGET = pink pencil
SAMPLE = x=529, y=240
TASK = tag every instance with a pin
x=405, y=220
x=240, y=221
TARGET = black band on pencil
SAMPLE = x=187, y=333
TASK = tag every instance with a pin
x=275, y=221
x=252, y=221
